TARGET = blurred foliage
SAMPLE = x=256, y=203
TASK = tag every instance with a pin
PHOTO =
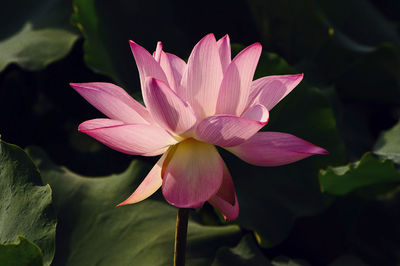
x=388, y=144
x=37, y=35
x=348, y=103
x=247, y=253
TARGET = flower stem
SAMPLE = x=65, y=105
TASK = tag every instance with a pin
x=180, y=236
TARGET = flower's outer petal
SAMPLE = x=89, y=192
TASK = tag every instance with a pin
x=113, y=101
x=235, y=86
x=178, y=67
x=275, y=148
x=192, y=175
x=269, y=90
x=147, y=66
x=225, y=200
x=136, y=139
x=202, y=78
x=224, y=49
x=228, y=130
x=149, y=185
x=167, y=109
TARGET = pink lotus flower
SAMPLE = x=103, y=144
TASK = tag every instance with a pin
x=190, y=107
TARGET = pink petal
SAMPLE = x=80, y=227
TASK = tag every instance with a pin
x=203, y=76
x=136, y=139
x=178, y=67
x=166, y=66
x=162, y=58
x=167, y=109
x=235, y=86
x=147, y=66
x=157, y=52
x=274, y=148
x=113, y=101
x=149, y=185
x=224, y=49
x=225, y=200
x=228, y=130
x=268, y=91
x=193, y=174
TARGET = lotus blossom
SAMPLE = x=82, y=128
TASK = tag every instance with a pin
x=189, y=108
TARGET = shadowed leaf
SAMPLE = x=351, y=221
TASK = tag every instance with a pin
x=37, y=35
x=25, y=204
x=24, y=252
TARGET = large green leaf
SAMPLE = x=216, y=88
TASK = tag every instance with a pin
x=272, y=198
x=25, y=204
x=24, y=252
x=35, y=34
x=388, y=144
x=93, y=232
x=368, y=171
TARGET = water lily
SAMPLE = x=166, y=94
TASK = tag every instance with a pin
x=189, y=108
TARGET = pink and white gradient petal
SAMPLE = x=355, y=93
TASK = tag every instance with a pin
x=224, y=49
x=269, y=90
x=167, y=109
x=151, y=183
x=178, y=67
x=162, y=58
x=229, y=130
x=135, y=139
x=113, y=101
x=147, y=66
x=202, y=78
x=192, y=174
x=274, y=149
x=235, y=86
x=225, y=200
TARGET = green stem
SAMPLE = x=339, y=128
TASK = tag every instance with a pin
x=180, y=236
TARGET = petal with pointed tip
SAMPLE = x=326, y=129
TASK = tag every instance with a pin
x=147, y=66
x=113, y=101
x=157, y=52
x=224, y=49
x=162, y=58
x=228, y=130
x=275, y=148
x=235, y=86
x=203, y=76
x=225, y=200
x=269, y=90
x=193, y=175
x=151, y=183
x=166, y=108
x=136, y=139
